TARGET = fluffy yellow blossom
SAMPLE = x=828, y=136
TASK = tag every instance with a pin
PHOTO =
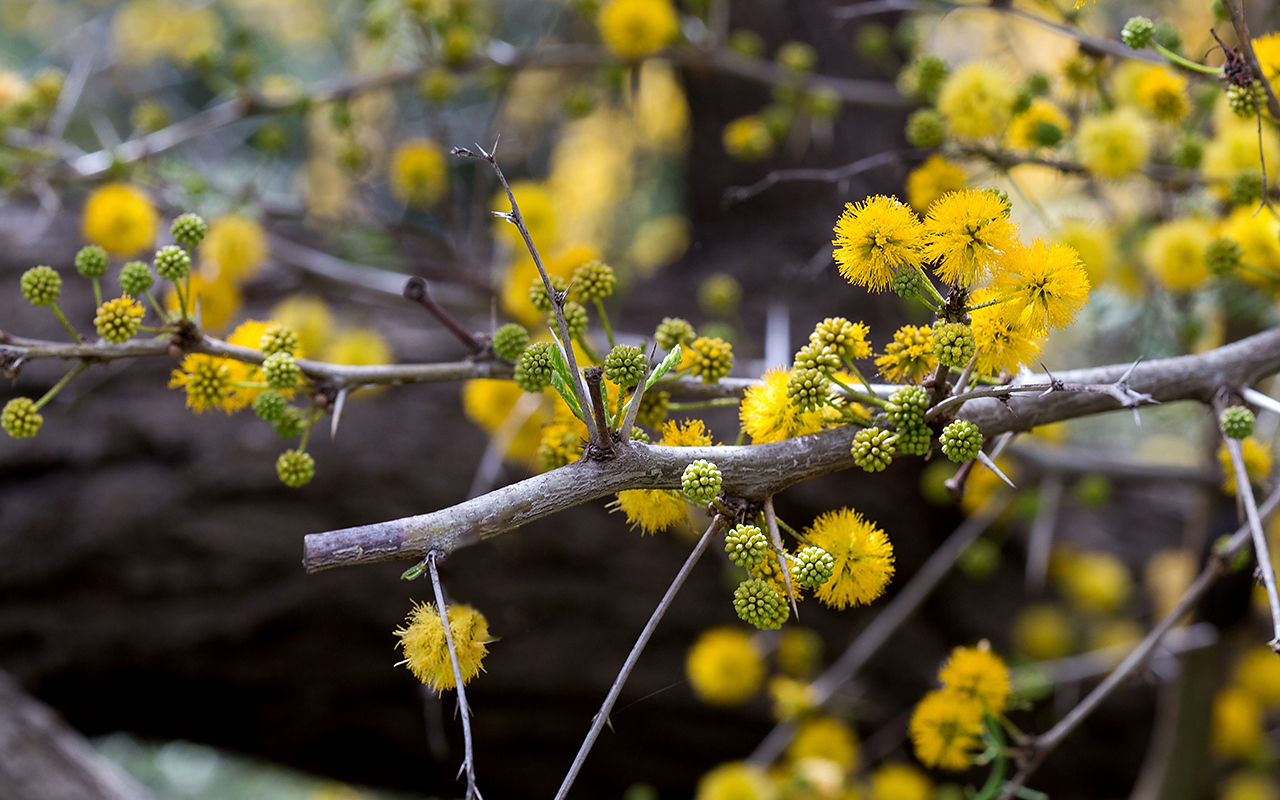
x=215, y=301
x=791, y=698
x=1258, y=673
x=747, y=138
x=1174, y=253
x=931, y=180
x=1046, y=284
x=1094, y=582
x=488, y=403
x=1043, y=631
x=562, y=439
x=427, y=653
x=358, y=347
x=1094, y=244
x=977, y=101
x=207, y=382
x=1236, y=731
x=419, y=176
x=900, y=781
x=736, y=781
x=825, y=737
x=979, y=674
x=636, y=28
x=233, y=250
x=690, y=433
x=863, y=558
x=1028, y=129
x=1259, y=237
x=1163, y=92
x=121, y=218
x=651, y=510
x=767, y=415
x=1235, y=147
x=1267, y=49
x=724, y=667
x=969, y=234
x=944, y=729
x=1004, y=337
x=309, y=317
x=909, y=357
x=1257, y=461
x=874, y=239
x=1115, y=144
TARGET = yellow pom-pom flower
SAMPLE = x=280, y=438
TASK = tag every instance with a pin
x=791, y=698
x=724, y=667
x=736, y=781
x=207, y=382
x=1093, y=582
x=488, y=403
x=426, y=652
x=1234, y=147
x=909, y=357
x=1259, y=237
x=537, y=209
x=650, y=510
x=1174, y=254
x=767, y=415
x=1095, y=246
x=358, y=347
x=1046, y=283
x=690, y=433
x=1115, y=144
x=1257, y=461
x=117, y=320
x=970, y=234
x=1005, y=339
x=900, y=782
x=121, y=218
x=419, y=176
x=874, y=239
x=1026, y=131
x=825, y=737
x=978, y=674
x=931, y=180
x=977, y=101
x=1258, y=673
x=1235, y=730
x=863, y=558
x=747, y=139
x=944, y=729
x=233, y=249
x=1163, y=92
x=636, y=28
x=1043, y=631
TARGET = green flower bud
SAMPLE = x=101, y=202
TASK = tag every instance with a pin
x=172, y=262
x=41, y=286
x=592, y=280
x=1222, y=256
x=797, y=56
x=1138, y=33
x=279, y=338
x=813, y=567
x=1246, y=186
x=953, y=344
x=536, y=365
x=719, y=295
x=712, y=358
x=672, y=331
x=281, y=371
x=746, y=545
x=925, y=128
x=20, y=419
x=653, y=408
x=817, y=356
x=575, y=319
x=270, y=406
x=136, y=277
x=295, y=468
x=906, y=407
x=873, y=449
x=117, y=320
x=1188, y=150
x=92, y=261
x=701, y=481
x=914, y=440
x=625, y=365
x=509, y=341
x=961, y=441
x=758, y=603
x=1237, y=422
x=808, y=389
x=290, y=423
x=189, y=230
x=538, y=291
x=845, y=338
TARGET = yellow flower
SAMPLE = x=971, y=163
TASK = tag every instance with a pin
x=419, y=176
x=747, y=139
x=799, y=651
x=121, y=218
x=1258, y=673
x=792, y=699
x=537, y=208
x=1257, y=461
x=1163, y=92
x=1046, y=283
x=977, y=101
x=427, y=653
x=1026, y=131
x=635, y=28
x=724, y=667
x=874, y=238
x=1094, y=244
x=145, y=30
x=863, y=558
x=207, y=382
x=1267, y=49
x=1114, y=145
x=1005, y=339
x=1174, y=254
x=651, y=510
x=978, y=674
x=825, y=737
x=117, y=320
x=1259, y=237
x=1043, y=631
x=900, y=782
x=1235, y=147
x=690, y=433
x=736, y=781
x=309, y=317
x=1236, y=731
x=909, y=357
x=970, y=234
x=247, y=334
x=944, y=729
x=931, y=180
x=767, y=415
x=1094, y=582
x=488, y=403
x=233, y=250
x=562, y=439
x=217, y=301
x=358, y=347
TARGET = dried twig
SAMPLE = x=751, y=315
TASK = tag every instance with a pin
x=1244, y=491
x=468, y=758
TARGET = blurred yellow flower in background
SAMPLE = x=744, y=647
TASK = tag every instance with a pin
x=121, y=218
x=419, y=176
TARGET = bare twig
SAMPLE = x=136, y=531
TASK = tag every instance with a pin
x=1244, y=491
x=602, y=716
x=416, y=289
x=468, y=758
x=771, y=522
x=736, y=194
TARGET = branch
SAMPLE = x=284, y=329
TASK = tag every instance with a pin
x=758, y=471
x=1244, y=491
x=468, y=758
x=1235, y=11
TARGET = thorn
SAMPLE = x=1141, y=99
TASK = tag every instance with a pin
x=991, y=465
x=504, y=215
x=1137, y=420
x=1130, y=370
x=338, y=405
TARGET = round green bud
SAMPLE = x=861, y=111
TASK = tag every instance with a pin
x=41, y=286
x=117, y=320
x=1038, y=84
x=136, y=277
x=278, y=338
x=189, y=230
x=1237, y=422
x=538, y=291
x=638, y=435
x=712, y=358
x=979, y=560
x=813, y=567
x=1222, y=256
x=1022, y=102
x=592, y=280
x=797, y=56
x=269, y=406
x=509, y=341
x=575, y=319
x=1244, y=100
x=914, y=440
x=841, y=335
x=928, y=75
x=1002, y=196
x=281, y=370
x=536, y=365
x=873, y=42
x=1246, y=186
x=291, y=423
x=1188, y=150
x=92, y=261
x=625, y=365
x=961, y=441
x=351, y=155
x=823, y=103
x=720, y=294
x=808, y=389
x=172, y=262
x=653, y=408
x=746, y=545
x=953, y=344
x=925, y=128
x=873, y=448
x=747, y=43
x=295, y=468
x=1167, y=36
x=20, y=419
x=906, y=407
x=672, y=331
x=1138, y=33
x=817, y=356
x=758, y=603
x=1047, y=134
x=907, y=283
x=701, y=481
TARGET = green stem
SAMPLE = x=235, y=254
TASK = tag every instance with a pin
x=716, y=403
x=938, y=300
x=57, y=387
x=987, y=304
x=1260, y=271
x=995, y=781
x=604, y=320
x=306, y=432
x=62, y=317
x=1185, y=63
x=250, y=385
x=182, y=299
x=150, y=329
x=159, y=311
x=863, y=396
x=97, y=291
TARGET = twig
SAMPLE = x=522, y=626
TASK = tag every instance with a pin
x=602, y=716
x=886, y=623
x=1235, y=12
x=1091, y=664
x=736, y=194
x=416, y=290
x=633, y=408
x=468, y=758
x=594, y=377
x=771, y=522
x=1244, y=491
x=1040, y=540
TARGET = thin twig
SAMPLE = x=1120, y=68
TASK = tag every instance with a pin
x=468, y=758
x=1244, y=491
x=416, y=290
x=1235, y=12
x=602, y=716
x=1040, y=540
x=771, y=522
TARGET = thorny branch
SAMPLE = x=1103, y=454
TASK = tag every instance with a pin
x=468, y=759
x=1244, y=492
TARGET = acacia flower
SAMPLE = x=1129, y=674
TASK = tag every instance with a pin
x=863, y=558
x=944, y=729
x=121, y=218
x=426, y=651
x=724, y=667
x=1046, y=282
x=767, y=415
x=909, y=357
x=874, y=239
x=969, y=233
x=1004, y=339
x=932, y=180
x=979, y=674
x=207, y=382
